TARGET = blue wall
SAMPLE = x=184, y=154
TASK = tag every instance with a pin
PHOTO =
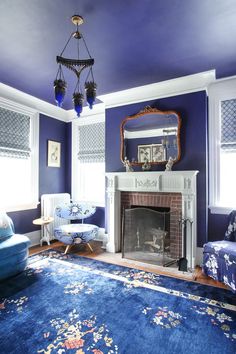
x=193, y=111
x=51, y=179
x=218, y=224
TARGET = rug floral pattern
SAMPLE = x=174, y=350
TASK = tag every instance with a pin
x=219, y=319
x=163, y=317
x=14, y=305
x=78, y=335
x=73, y=330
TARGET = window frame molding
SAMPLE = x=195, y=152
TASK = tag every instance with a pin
x=97, y=116
x=34, y=139
x=224, y=89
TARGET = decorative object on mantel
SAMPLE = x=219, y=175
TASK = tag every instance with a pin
x=169, y=164
x=150, y=134
x=146, y=166
x=127, y=165
x=77, y=66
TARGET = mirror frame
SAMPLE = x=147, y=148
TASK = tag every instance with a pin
x=141, y=114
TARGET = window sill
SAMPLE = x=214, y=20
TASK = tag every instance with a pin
x=97, y=204
x=22, y=207
x=220, y=210
x=92, y=202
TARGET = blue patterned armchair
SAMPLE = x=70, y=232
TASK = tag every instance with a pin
x=72, y=234
x=13, y=249
x=219, y=257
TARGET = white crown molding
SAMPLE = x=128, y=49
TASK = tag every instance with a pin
x=222, y=89
x=173, y=87
x=35, y=103
x=16, y=107
x=88, y=114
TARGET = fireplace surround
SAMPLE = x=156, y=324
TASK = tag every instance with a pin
x=174, y=189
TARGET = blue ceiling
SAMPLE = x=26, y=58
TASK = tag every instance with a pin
x=133, y=42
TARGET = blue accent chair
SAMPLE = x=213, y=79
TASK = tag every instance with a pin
x=13, y=249
x=219, y=257
x=72, y=234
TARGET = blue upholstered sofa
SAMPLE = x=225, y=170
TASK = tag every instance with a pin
x=219, y=257
x=13, y=249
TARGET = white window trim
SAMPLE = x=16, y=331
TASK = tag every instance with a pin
x=34, y=116
x=224, y=89
x=97, y=115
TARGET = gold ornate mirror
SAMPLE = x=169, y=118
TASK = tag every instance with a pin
x=151, y=136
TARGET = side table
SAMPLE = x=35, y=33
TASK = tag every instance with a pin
x=44, y=221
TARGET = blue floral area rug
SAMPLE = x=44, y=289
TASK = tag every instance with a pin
x=72, y=304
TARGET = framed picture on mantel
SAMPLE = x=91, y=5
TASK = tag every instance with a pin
x=54, y=153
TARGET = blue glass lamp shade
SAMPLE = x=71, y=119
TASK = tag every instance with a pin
x=90, y=88
x=78, y=99
x=60, y=90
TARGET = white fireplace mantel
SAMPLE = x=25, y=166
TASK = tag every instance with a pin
x=183, y=182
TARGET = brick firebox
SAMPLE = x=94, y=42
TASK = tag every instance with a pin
x=166, y=200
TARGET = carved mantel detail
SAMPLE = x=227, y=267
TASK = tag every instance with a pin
x=146, y=183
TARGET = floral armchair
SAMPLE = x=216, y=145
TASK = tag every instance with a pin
x=76, y=233
x=219, y=257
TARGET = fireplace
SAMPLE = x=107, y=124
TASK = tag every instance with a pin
x=171, y=202
x=146, y=235
x=173, y=189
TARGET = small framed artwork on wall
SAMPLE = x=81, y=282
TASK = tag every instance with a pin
x=54, y=153
x=144, y=153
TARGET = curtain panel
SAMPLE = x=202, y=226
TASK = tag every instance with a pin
x=91, y=143
x=14, y=134
x=228, y=125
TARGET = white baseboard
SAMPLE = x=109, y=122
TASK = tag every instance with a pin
x=34, y=237
x=101, y=233
x=199, y=256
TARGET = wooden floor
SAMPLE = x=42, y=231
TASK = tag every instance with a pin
x=100, y=254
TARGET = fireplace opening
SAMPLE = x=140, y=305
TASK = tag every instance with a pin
x=146, y=235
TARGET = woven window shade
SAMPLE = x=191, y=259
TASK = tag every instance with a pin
x=91, y=140
x=14, y=134
x=228, y=125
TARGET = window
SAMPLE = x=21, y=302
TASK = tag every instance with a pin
x=88, y=173
x=222, y=143
x=227, y=193
x=18, y=157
